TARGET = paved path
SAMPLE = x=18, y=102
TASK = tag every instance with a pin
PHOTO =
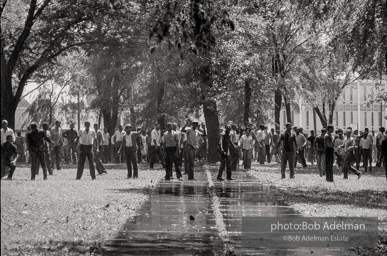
x=163, y=225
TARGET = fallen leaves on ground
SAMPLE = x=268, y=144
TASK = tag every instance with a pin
x=66, y=214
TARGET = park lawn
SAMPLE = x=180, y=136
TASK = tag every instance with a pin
x=66, y=216
x=312, y=196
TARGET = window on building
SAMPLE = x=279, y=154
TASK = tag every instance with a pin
x=351, y=117
x=307, y=118
x=365, y=118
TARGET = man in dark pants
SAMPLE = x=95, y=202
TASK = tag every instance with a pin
x=56, y=136
x=349, y=148
x=319, y=143
x=329, y=153
x=234, y=154
x=171, y=143
x=97, y=154
x=384, y=152
x=289, y=145
x=155, y=147
x=86, y=140
x=129, y=142
x=71, y=136
x=36, y=147
x=47, y=151
x=225, y=149
x=9, y=154
x=267, y=142
x=192, y=146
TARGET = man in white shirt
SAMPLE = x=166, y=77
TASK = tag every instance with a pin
x=57, y=137
x=366, y=149
x=86, y=140
x=155, y=147
x=105, y=146
x=192, y=146
x=5, y=131
x=118, y=135
x=247, y=144
x=130, y=145
x=349, y=147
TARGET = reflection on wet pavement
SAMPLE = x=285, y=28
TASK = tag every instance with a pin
x=163, y=225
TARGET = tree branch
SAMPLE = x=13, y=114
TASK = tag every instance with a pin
x=3, y=4
x=41, y=8
x=23, y=36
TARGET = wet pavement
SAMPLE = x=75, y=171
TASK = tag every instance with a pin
x=203, y=217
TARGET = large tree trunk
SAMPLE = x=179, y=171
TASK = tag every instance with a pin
x=133, y=120
x=277, y=109
x=248, y=92
x=288, y=109
x=8, y=103
x=323, y=119
x=212, y=123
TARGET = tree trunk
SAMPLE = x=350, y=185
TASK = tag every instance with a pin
x=160, y=99
x=323, y=119
x=248, y=92
x=277, y=109
x=133, y=120
x=107, y=120
x=212, y=124
x=8, y=103
x=288, y=110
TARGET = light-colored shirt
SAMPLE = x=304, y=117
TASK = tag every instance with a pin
x=100, y=137
x=155, y=136
x=261, y=135
x=56, y=136
x=119, y=135
x=87, y=138
x=348, y=142
x=247, y=142
x=5, y=133
x=171, y=139
x=106, y=137
x=300, y=138
x=267, y=137
x=381, y=137
x=193, y=137
x=234, y=137
x=366, y=143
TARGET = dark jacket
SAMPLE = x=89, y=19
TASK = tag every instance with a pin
x=134, y=135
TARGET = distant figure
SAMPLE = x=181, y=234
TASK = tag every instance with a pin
x=98, y=150
x=105, y=146
x=329, y=153
x=87, y=142
x=10, y=154
x=130, y=145
x=289, y=144
x=71, y=135
x=56, y=136
x=171, y=144
x=20, y=144
x=118, y=135
x=47, y=150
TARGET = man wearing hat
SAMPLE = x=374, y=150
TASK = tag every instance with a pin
x=289, y=145
x=329, y=153
x=192, y=145
x=129, y=141
x=36, y=147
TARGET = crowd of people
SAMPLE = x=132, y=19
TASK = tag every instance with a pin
x=178, y=147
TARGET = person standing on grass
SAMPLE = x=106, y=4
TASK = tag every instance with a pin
x=171, y=143
x=247, y=144
x=349, y=148
x=37, y=147
x=105, y=146
x=329, y=153
x=312, y=150
x=47, y=150
x=366, y=149
x=225, y=146
x=10, y=153
x=86, y=142
x=155, y=147
x=20, y=144
x=98, y=151
x=129, y=145
x=319, y=143
x=379, y=139
x=118, y=135
x=289, y=144
x=56, y=135
x=71, y=136
x=301, y=143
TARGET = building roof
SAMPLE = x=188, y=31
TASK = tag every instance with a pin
x=23, y=103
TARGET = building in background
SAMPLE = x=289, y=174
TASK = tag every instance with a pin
x=20, y=117
x=351, y=110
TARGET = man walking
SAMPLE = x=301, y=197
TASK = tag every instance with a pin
x=71, y=136
x=329, y=153
x=98, y=151
x=129, y=142
x=155, y=147
x=366, y=149
x=171, y=143
x=225, y=147
x=247, y=144
x=56, y=135
x=36, y=147
x=261, y=146
x=289, y=144
x=301, y=143
x=86, y=140
x=192, y=146
x=349, y=148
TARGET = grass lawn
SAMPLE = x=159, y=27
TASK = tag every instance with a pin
x=63, y=215
x=311, y=195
